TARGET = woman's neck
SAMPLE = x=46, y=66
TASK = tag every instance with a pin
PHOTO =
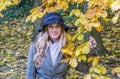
x=52, y=41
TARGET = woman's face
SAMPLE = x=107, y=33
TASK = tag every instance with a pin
x=54, y=31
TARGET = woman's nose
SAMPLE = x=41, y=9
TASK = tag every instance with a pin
x=54, y=29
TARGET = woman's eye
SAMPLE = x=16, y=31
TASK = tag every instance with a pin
x=49, y=26
x=58, y=26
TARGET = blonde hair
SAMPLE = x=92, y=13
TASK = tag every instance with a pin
x=42, y=45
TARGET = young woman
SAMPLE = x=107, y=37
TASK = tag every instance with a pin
x=44, y=55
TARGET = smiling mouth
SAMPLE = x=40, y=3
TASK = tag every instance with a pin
x=54, y=33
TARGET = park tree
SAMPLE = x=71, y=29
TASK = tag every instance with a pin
x=87, y=17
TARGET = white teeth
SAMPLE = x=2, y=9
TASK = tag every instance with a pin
x=54, y=33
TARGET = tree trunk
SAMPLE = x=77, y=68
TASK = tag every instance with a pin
x=37, y=23
x=101, y=50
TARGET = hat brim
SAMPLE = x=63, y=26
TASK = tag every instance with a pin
x=63, y=25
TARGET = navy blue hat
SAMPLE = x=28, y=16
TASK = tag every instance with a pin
x=52, y=17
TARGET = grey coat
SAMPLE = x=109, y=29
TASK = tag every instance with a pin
x=47, y=70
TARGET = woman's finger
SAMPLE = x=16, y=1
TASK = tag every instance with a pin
x=92, y=42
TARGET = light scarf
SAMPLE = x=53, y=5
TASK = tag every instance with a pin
x=54, y=51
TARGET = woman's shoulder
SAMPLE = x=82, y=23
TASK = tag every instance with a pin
x=32, y=47
x=32, y=44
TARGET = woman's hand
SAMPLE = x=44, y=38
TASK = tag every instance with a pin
x=93, y=43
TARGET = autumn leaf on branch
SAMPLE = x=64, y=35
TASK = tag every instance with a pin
x=1, y=15
x=73, y=62
x=115, y=5
x=94, y=60
x=6, y=3
x=76, y=12
x=115, y=18
x=88, y=76
x=116, y=70
x=100, y=69
x=35, y=14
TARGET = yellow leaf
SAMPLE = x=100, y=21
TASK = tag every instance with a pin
x=82, y=49
x=77, y=1
x=16, y=2
x=103, y=70
x=83, y=57
x=51, y=9
x=91, y=12
x=40, y=14
x=72, y=12
x=96, y=76
x=95, y=22
x=99, y=28
x=104, y=77
x=3, y=7
x=100, y=69
x=88, y=27
x=68, y=36
x=7, y=3
x=116, y=70
x=106, y=19
x=67, y=51
x=77, y=22
x=115, y=5
x=88, y=76
x=34, y=17
x=91, y=70
x=65, y=60
x=104, y=14
x=73, y=62
x=85, y=50
x=74, y=37
x=95, y=61
x=79, y=59
x=1, y=15
x=80, y=1
x=81, y=29
x=82, y=21
x=50, y=1
x=28, y=18
x=80, y=37
x=77, y=51
x=115, y=18
x=97, y=70
x=86, y=44
x=34, y=11
x=64, y=5
x=59, y=3
x=4, y=4
x=71, y=46
x=90, y=59
x=76, y=12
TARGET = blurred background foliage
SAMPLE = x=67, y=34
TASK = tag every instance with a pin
x=17, y=11
x=15, y=39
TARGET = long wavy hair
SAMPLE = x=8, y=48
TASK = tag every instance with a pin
x=42, y=44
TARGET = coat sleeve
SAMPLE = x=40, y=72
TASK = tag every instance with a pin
x=31, y=70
